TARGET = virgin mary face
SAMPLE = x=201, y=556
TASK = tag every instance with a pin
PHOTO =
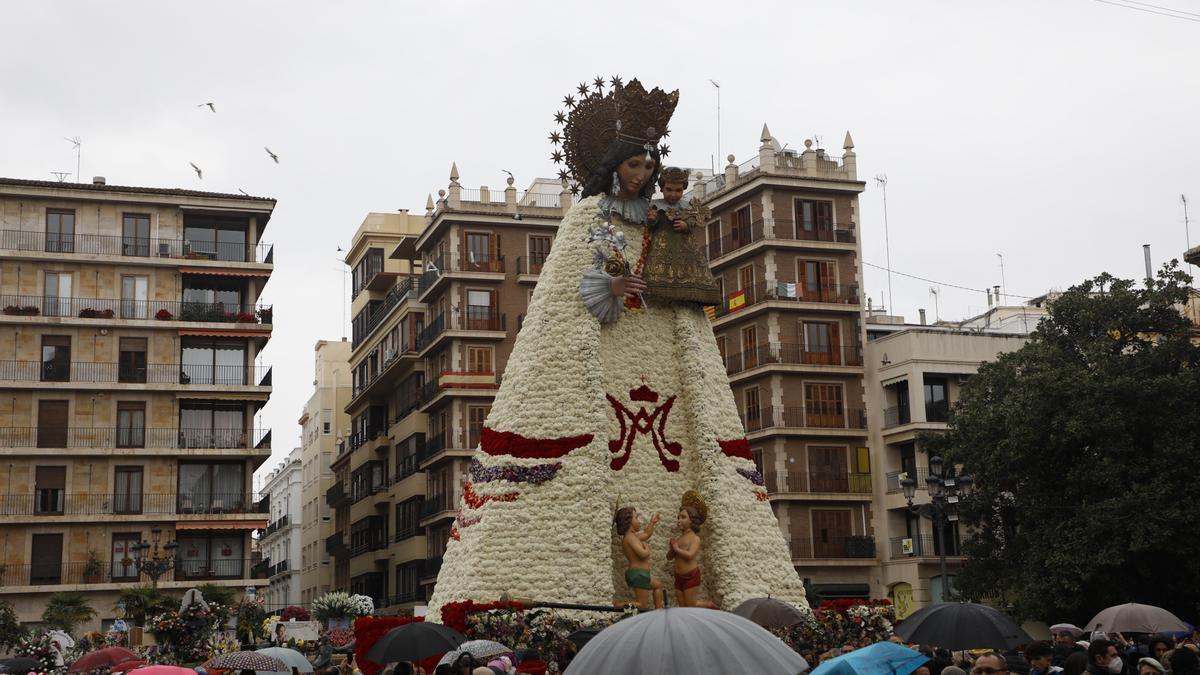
x=633, y=174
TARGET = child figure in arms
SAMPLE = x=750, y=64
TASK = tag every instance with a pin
x=673, y=181
x=633, y=542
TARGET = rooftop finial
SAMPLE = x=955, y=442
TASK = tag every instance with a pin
x=453, y=172
x=766, y=134
x=429, y=204
x=848, y=144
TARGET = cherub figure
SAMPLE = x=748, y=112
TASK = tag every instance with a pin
x=637, y=552
x=685, y=550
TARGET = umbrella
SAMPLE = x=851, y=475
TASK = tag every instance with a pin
x=1134, y=618
x=128, y=665
x=582, y=636
x=685, y=640
x=881, y=658
x=769, y=612
x=480, y=649
x=961, y=625
x=20, y=664
x=414, y=641
x=1071, y=628
x=290, y=657
x=102, y=658
x=163, y=670
x=245, y=661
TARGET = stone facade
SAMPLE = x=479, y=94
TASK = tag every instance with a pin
x=280, y=544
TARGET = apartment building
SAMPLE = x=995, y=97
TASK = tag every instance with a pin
x=130, y=330
x=323, y=421
x=438, y=301
x=280, y=544
x=784, y=243
x=914, y=374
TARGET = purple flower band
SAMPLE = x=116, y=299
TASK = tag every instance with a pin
x=534, y=475
x=753, y=476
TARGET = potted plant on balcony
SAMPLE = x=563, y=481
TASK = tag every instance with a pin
x=246, y=317
x=265, y=314
x=90, y=313
x=22, y=310
x=163, y=315
x=92, y=568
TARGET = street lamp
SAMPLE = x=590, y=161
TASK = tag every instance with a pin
x=945, y=489
x=150, y=560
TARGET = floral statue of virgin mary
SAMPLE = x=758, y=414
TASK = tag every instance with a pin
x=615, y=396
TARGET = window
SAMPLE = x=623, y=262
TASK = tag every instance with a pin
x=406, y=582
x=476, y=416
x=814, y=220
x=481, y=314
x=50, y=487
x=135, y=234
x=721, y=349
x=211, y=556
x=741, y=227
x=903, y=411
x=52, y=423
x=539, y=248
x=482, y=253
x=817, y=281
x=370, y=265
x=823, y=406
x=937, y=404
x=123, y=544
x=756, y=454
x=127, y=489
x=326, y=422
x=134, y=297
x=821, y=342
x=219, y=238
x=131, y=424
x=46, y=556
x=58, y=294
x=56, y=358
x=211, y=425
x=132, y=361
x=746, y=279
x=217, y=487
x=210, y=299
x=827, y=470
x=714, y=239
x=479, y=359
x=60, y=231
x=750, y=346
x=753, y=413
x=408, y=517
x=831, y=528
x=213, y=361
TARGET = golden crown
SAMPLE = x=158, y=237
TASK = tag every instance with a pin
x=627, y=112
x=693, y=499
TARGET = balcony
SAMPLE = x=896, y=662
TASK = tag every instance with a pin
x=336, y=495
x=896, y=415
x=334, y=544
x=774, y=353
x=922, y=546
x=435, y=504
x=820, y=482
x=177, y=374
x=408, y=288
x=278, y=568
x=937, y=411
x=135, y=247
x=135, y=310
x=276, y=526
x=54, y=502
x=475, y=268
x=432, y=566
x=475, y=319
x=800, y=417
x=784, y=292
x=438, y=446
x=368, y=534
x=833, y=547
x=893, y=479
x=55, y=573
x=117, y=437
x=481, y=382
x=530, y=267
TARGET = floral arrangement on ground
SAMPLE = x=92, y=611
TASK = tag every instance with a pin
x=835, y=623
x=339, y=604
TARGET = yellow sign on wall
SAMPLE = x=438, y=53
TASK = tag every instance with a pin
x=902, y=599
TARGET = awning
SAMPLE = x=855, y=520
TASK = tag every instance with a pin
x=225, y=272
x=220, y=525
x=215, y=332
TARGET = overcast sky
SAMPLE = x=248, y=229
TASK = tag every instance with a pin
x=1059, y=133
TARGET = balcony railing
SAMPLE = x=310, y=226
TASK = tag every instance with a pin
x=474, y=318
x=740, y=236
x=853, y=546
x=893, y=479
x=336, y=495
x=896, y=415
x=836, y=482
x=431, y=568
x=456, y=263
x=923, y=546
x=783, y=291
x=278, y=568
x=435, y=504
x=842, y=233
x=117, y=308
x=334, y=544
x=793, y=354
x=120, y=437
x=937, y=411
x=408, y=287
x=138, y=247
x=277, y=525
x=55, y=573
x=153, y=373
x=56, y=502
x=812, y=417
x=407, y=533
x=531, y=264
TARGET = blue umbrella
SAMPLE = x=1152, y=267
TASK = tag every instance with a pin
x=881, y=658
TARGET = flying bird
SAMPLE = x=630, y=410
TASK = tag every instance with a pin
x=273, y=155
x=210, y=106
x=199, y=173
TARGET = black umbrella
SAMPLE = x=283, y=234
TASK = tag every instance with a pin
x=20, y=665
x=961, y=625
x=414, y=641
x=769, y=612
x=581, y=636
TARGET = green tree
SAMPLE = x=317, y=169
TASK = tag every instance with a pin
x=1082, y=445
x=66, y=610
x=142, y=601
x=11, y=631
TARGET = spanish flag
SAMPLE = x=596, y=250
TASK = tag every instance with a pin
x=737, y=301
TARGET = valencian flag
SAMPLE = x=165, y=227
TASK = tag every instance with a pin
x=711, y=312
x=737, y=301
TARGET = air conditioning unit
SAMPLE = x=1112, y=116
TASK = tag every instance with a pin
x=164, y=249
x=906, y=546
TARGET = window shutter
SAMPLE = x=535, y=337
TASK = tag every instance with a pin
x=51, y=477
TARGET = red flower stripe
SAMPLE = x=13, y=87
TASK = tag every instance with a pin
x=762, y=496
x=739, y=448
x=475, y=500
x=454, y=614
x=515, y=445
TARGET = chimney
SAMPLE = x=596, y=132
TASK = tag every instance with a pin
x=989, y=292
x=97, y=180
x=1149, y=270
x=996, y=292
x=922, y=313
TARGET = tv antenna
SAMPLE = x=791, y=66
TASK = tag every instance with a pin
x=1003, y=283
x=61, y=175
x=882, y=180
x=78, y=143
x=935, y=292
x=718, y=88
x=1187, y=235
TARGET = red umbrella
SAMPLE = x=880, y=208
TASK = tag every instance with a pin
x=127, y=666
x=102, y=658
x=163, y=670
